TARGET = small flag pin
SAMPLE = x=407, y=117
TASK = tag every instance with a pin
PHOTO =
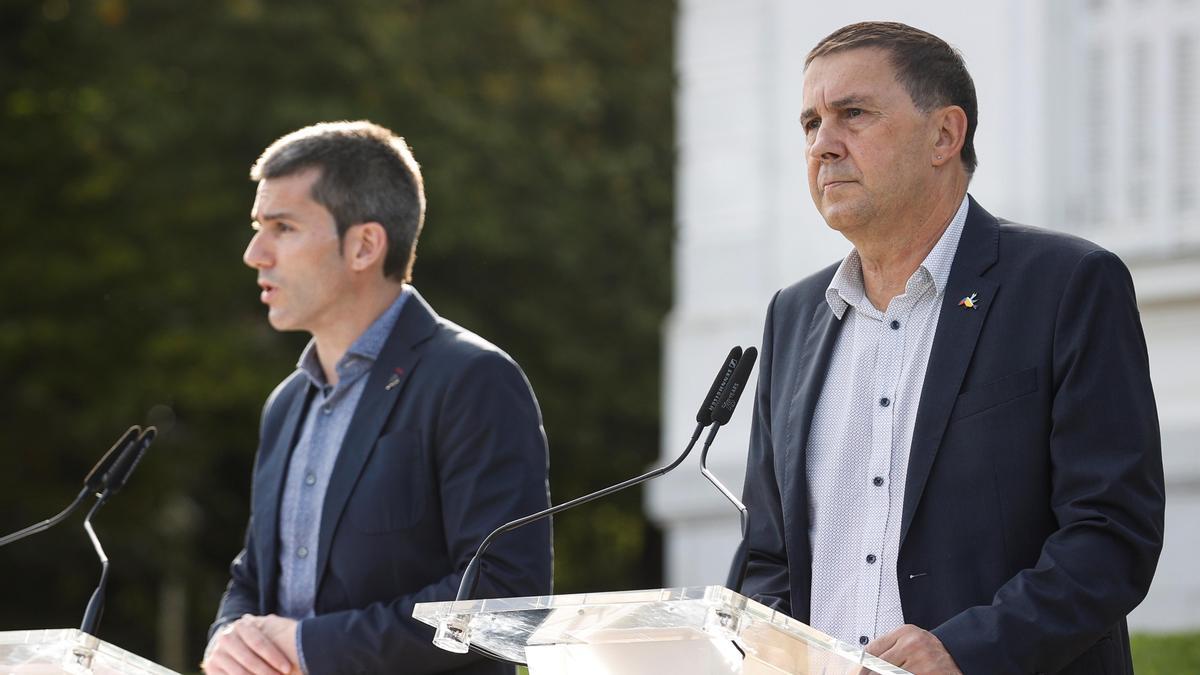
x=395, y=379
x=970, y=302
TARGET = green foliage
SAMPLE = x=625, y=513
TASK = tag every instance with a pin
x=545, y=133
x=1166, y=654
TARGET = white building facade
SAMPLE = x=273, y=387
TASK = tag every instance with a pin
x=1089, y=123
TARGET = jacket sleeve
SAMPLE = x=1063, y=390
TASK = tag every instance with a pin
x=241, y=594
x=1106, y=492
x=767, y=578
x=492, y=463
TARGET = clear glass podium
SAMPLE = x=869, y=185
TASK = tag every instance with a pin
x=68, y=650
x=706, y=630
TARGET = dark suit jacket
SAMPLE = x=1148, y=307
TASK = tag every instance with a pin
x=1033, y=509
x=446, y=444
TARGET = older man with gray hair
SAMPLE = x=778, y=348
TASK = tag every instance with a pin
x=954, y=457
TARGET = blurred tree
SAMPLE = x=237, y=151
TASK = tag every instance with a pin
x=545, y=133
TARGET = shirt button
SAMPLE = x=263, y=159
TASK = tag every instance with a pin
x=302, y=552
x=870, y=558
x=878, y=480
x=310, y=479
x=863, y=640
x=885, y=401
x=326, y=410
x=895, y=325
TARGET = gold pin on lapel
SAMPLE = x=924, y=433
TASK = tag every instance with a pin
x=970, y=302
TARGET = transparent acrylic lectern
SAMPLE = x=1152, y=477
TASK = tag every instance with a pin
x=699, y=631
x=68, y=650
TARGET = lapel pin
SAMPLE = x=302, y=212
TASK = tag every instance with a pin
x=970, y=302
x=395, y=379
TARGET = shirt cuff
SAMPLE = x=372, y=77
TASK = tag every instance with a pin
x=300, y=647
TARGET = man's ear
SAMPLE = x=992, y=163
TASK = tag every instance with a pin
x=365, y=246
x=951, y=130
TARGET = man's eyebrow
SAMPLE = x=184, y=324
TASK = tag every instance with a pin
x=849, y=101
x=277, y=215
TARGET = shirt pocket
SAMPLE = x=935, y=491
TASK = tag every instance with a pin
x=394, y=488
x=1002, y=390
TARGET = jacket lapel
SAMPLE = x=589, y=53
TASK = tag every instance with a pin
x=417, y=321
x=270, y=490
x=812, y=367
x=953, y=348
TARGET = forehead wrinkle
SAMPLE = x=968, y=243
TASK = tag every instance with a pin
x=850, y=101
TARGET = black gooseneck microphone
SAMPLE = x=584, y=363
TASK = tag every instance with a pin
x=711, y=409
x=114, y=478
x=95, y=483
x=721, y=416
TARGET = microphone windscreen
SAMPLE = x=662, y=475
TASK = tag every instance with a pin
x=128, y=461
x=95, y=478
x=716, y=391
x=741, y=374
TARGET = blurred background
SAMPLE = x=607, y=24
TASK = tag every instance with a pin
x=545, y=132
x=615, y=189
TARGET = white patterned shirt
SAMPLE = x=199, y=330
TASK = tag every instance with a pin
x=857, y=454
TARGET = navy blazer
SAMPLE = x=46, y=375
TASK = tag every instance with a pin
x=1033, y=508
x=445, y=445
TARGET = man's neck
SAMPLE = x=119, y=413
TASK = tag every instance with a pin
x=333, y=340
x=889, y=260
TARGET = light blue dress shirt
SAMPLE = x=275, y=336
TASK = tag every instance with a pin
x=311, y=466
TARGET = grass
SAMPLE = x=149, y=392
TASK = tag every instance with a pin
x=1166, y=654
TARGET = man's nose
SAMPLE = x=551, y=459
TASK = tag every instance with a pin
x=256, y=254
x=825, y=143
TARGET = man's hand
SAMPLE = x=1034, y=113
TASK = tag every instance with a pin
x=915, y=650
x=254, y=645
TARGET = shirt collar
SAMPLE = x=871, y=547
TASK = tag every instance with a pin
x=941, y=258
x=364, y=350
x=846, y=289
